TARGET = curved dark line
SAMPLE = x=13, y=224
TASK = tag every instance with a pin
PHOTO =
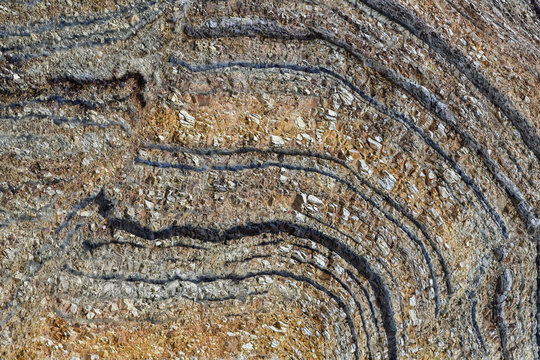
x=54, y=98
x=474, y=302
x=348, y=290
x=354, y=278
x=351, y=187
x=16, y=57
x=503, y=288
x=343, y=233
x=293, y=152
x=324, y=270
x=434, y=105
x=88, y=104
x=397, y=13
x=94, y=245
x=59, y=120
x=93, y=297
x=231, y=297
x=327, y=272
x=63, y=23
x=371, y=309
x=271, y=29
x=138, y=77
x=397, y=116
x=95, y=37
x=234, y=277
x=147, y=319
x=87, y=245
x=475, y=324
x=382, y=295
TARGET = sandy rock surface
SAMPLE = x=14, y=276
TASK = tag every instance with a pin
x=269, y=180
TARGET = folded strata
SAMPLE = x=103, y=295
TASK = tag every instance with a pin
x=232, y=179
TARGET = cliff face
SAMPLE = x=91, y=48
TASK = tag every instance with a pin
x=234, y=179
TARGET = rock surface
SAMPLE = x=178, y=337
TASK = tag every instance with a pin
x=296, y=180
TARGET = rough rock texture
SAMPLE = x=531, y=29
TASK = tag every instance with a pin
x=269, y=179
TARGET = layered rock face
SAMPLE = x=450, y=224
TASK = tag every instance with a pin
x=269, y=180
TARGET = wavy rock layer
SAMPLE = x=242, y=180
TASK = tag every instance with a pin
x=233, y=179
